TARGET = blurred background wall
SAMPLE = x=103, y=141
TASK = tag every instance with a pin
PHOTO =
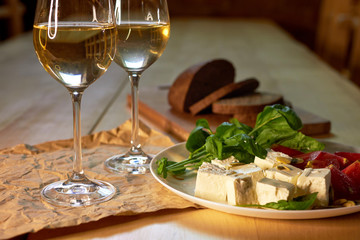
x=299, y=17
x=16, y=16
x=331, y=28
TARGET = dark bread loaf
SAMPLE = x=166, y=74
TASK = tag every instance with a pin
x=250, y=103
x=246, y=108
x=199, y=81
x=233, y=89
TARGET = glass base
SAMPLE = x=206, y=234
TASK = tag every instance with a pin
x=133, y=162
x=77, y=194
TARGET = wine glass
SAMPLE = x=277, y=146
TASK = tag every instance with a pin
x=143, y=29
x=75, y=43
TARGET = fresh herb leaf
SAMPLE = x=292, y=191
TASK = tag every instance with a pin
x=214, y=146
x=278, y=111
x=227, y=130
x=198, y=135
x=247, y=129
x=243, y=157
x=300, y=203
x=204, y=124
x=280, y=124
x=271, y=134
x=163, y=165
x=302, y=143
x=246, y=144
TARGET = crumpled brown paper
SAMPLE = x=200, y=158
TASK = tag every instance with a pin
x=25, y=170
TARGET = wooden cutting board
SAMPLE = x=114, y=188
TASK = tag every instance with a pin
x=154, y=107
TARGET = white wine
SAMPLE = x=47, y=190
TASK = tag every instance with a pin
x=75, y=54
x=140, y=44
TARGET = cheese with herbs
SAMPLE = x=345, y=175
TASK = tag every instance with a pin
x=272, y=160
x=284, y=172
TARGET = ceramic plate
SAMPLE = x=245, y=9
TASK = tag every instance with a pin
x=185, y=186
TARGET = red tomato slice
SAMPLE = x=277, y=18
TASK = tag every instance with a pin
x=319, y=159
x=353, y=172
x=352, y=157
x=289, y=151
x=342, y=162
x=342, y=185
x=325, y=159
x=306, y=157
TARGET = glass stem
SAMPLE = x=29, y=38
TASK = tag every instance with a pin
x=134, y=78
x=77, y=162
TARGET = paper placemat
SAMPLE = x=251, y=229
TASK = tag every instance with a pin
x=25, y=170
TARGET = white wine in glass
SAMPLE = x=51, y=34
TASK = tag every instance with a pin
x=143, y=29
x=75, y=43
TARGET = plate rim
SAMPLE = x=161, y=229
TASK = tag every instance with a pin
x=252, y=212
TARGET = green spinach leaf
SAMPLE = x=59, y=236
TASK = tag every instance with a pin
x=280, y=124
x=198, y=135
x=300, y=203
x=302, y=143
x=247, y=144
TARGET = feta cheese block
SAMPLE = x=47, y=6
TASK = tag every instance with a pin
x=226, y=163
x=210, y=182
x=240, y=190
x=315, y=180
x=272, y=190
x=250, y=169
x=217, y=184
x=272, y=159
x=284, y=172
x=254, y=172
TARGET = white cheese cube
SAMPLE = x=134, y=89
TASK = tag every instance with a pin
x=271, y=190
x=284, y=172
x=272, y=159
x=250, y=169
x=210, y=183
x=240, y=190
x=217, y=184
x=315, y=180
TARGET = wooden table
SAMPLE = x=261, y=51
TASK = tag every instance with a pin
x=35, y=108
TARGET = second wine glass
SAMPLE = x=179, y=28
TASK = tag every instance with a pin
x=143, y=29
